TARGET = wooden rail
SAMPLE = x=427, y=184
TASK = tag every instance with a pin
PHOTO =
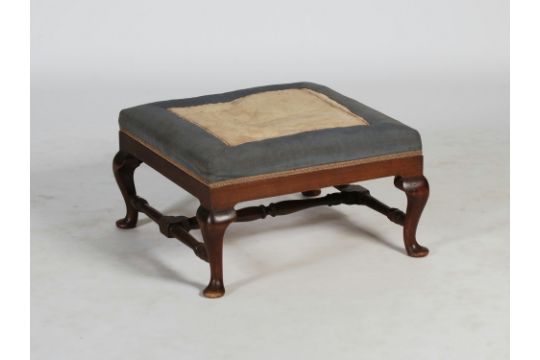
x=179, y=226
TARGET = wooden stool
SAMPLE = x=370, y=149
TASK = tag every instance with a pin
x=262, y=142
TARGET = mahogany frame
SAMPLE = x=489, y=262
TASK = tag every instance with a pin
x=217, y=212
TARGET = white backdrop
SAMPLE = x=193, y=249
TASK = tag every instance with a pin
x=254, y=41
x=439, y=66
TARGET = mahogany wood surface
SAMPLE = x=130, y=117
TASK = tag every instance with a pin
x=124, y=166
x=311, y=193
x=213, y=225
x=217, y=210
x=417, y=190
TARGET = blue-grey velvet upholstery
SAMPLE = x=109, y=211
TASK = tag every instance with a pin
x=212, y=160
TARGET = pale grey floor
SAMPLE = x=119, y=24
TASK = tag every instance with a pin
x=326, y=283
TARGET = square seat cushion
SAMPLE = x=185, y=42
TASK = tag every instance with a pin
x=267, y=131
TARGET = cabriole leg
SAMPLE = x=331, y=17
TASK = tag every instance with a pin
x=417, y=191
x=124, y=166
x=213, y=225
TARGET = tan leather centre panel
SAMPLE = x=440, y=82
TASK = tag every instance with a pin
x=268, y=115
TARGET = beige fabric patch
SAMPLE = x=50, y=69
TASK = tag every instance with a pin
x=268, y=115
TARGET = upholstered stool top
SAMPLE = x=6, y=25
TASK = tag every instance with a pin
x=267, y=131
